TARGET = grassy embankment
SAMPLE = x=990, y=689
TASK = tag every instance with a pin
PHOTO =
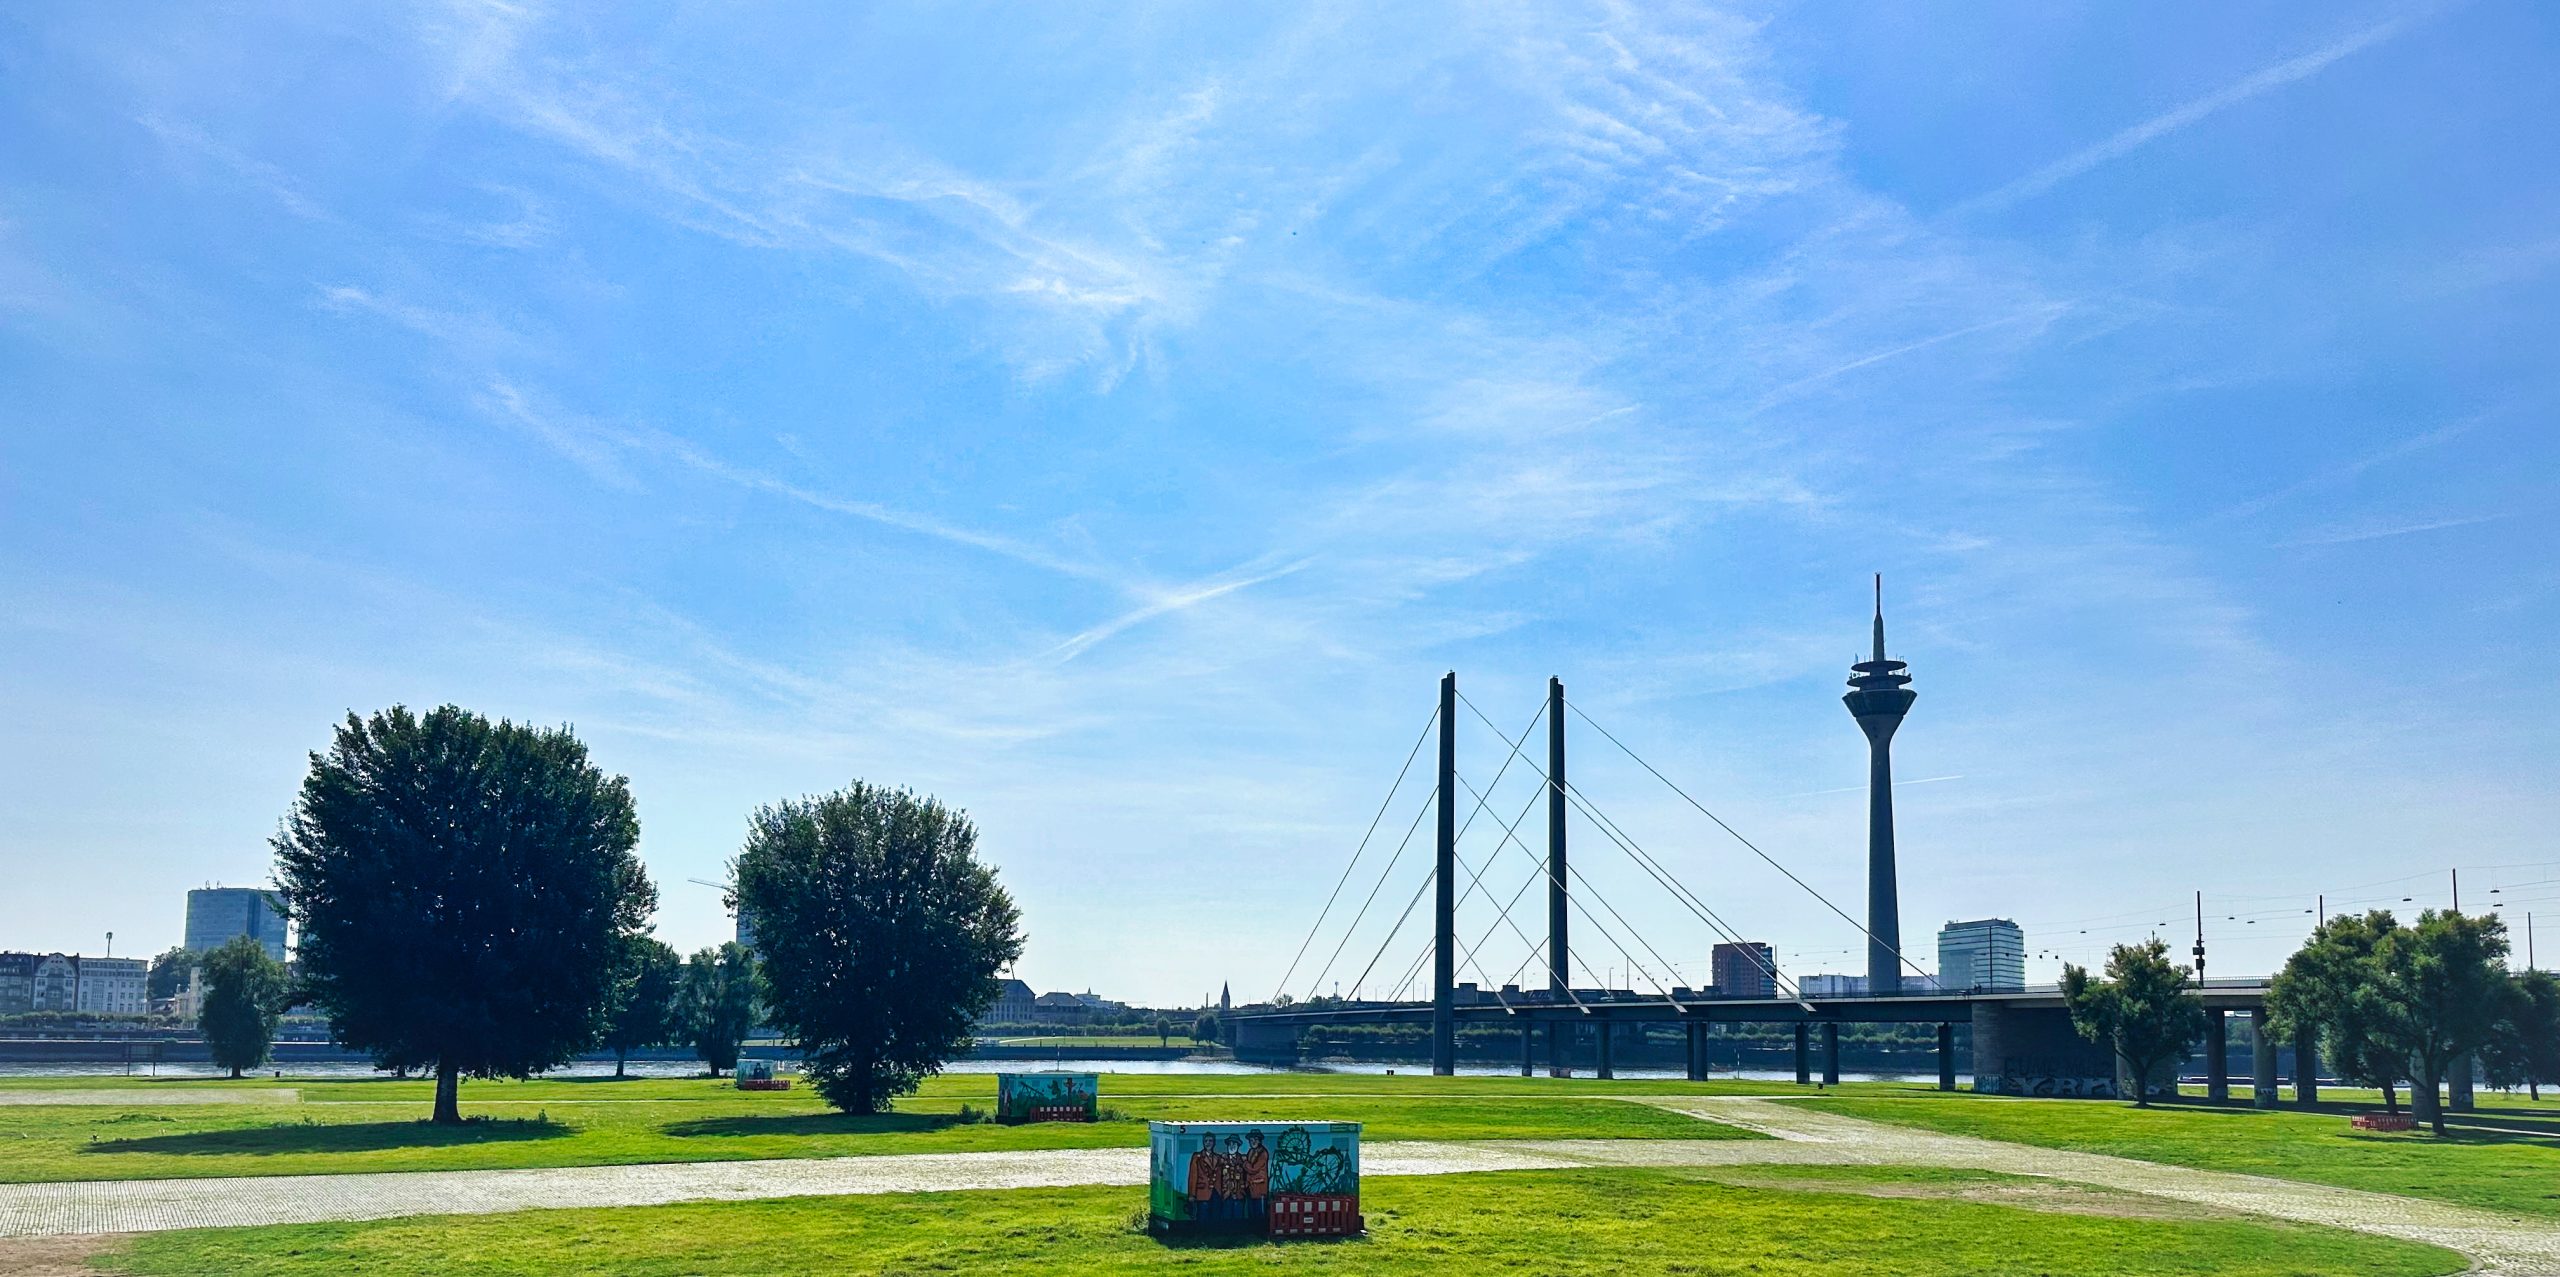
x=2513, y=1168
x=374, y=1125
x=1563, y=1222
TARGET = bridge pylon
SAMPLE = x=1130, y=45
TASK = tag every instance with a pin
x=1444, y=946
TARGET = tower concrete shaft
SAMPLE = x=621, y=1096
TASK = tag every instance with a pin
x=1879, y=696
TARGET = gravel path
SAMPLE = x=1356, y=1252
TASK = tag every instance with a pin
x=141, y=1206
x=2502, y=1244
x=247, y=1095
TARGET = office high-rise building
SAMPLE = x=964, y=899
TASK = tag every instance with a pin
x=1988, y=954
x=1745, y=970
x=216, y=914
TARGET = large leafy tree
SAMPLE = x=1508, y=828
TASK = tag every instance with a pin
x=2440, y=988
x=644, y=999
x=716, y=1003
x=2332, y=986
x=463, y=889
x=169, y=973
x=244, y=998
x=2143, y=1008
x=882, y=934
x=2525, y=1049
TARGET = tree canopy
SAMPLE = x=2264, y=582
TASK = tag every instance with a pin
x=881, y=932
x=2142, y=1007
x=464, y=889
x=643, y=1013
x=716, y=1003
x=244, y=997
x=2525, y=1049
x=169, y=973
x=2439, y=989
x=2331, y=986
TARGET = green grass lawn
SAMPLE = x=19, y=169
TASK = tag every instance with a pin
x=366, y=1125
x=2499, y=1171
x=1562, y=1222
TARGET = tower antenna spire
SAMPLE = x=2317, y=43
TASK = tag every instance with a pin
x=1879, y=616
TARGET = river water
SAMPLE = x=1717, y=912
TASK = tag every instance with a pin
x=692, y=1068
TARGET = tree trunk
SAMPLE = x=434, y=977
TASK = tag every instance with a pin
x=617, y=1064
x=235, y=1070
x=2390, y=1098
x=2426, y=1097
x=448, y=1094
x=2534, y=1089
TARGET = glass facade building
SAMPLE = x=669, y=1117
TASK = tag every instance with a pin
x=216, y=914
x=1989, y=954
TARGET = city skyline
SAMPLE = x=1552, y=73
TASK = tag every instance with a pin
x=1115, y=432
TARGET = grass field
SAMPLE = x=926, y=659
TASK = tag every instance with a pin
x=367, y=1125
x=2499, y=1170
x=1564, y=1222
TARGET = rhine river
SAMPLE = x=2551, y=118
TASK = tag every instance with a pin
x=693, y=1068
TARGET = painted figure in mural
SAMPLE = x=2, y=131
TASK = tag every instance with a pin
x=1204, y=1179
x=1257, y=1174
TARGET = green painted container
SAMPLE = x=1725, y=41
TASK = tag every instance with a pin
x=1048, y=1097
x=1284, y=1179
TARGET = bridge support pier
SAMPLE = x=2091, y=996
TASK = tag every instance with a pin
x=1697, y=1038
x=1528, y=1041
x=2457, y=1084
x=2217, y=1056
x=1804, y=1055
x=2306, y=1066
x=2262, y=1062
x=1831, y=1053
x=1946, y=1057
x=1605, y=1069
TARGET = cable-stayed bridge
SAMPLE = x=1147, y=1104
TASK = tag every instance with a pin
x=2023, y=1041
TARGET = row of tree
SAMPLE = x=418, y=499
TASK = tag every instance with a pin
x=2385, y=1005
x=469, y=903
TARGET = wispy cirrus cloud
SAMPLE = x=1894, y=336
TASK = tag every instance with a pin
x=2383, y=530
x=2258, y=83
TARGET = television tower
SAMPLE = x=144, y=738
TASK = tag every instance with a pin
x=1878, y=697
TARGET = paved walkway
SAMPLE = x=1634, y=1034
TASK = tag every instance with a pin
x=141, y=1206
x=2513, y=1247
x=2498, y=1243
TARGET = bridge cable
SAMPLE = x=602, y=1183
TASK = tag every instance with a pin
x=1661, y=874
x=1505, y=917
x=1513, y=744
x=1737, y=837
x=1575, y=900
x=1383, y=874
x=1391, y=931
x=1356, y=853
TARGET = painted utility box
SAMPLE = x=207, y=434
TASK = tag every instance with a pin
x=1048, y=1097
x=1286, y=1179
x=758, y=1075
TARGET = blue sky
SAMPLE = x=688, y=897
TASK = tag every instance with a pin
x=1113, y=420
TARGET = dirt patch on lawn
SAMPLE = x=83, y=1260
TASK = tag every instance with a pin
x=2059, y=1196
x=67, y=1256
